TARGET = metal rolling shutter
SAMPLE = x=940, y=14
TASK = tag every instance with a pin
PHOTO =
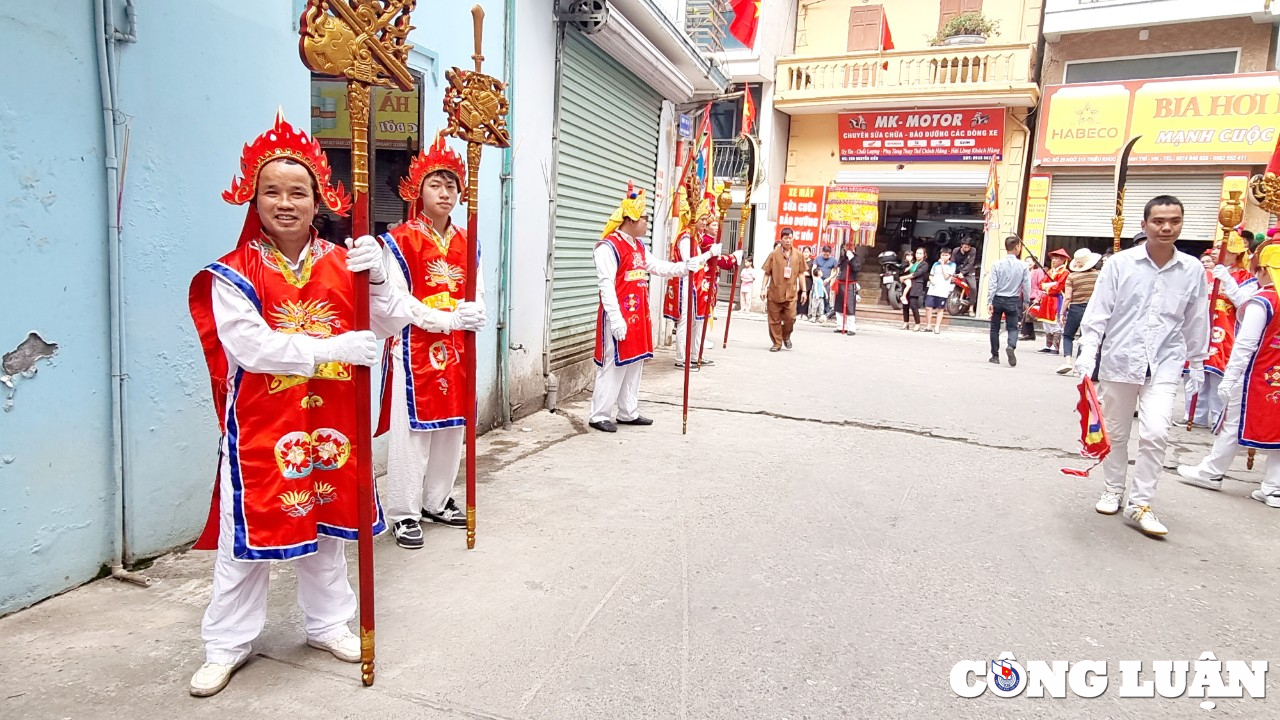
x=1083, y=205
x=608, y=125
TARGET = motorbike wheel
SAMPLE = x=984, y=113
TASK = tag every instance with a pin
x=895, y=296
x=956, y=304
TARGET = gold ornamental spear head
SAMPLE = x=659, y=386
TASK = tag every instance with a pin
x=364, y=41
x=1232, y=210
x=724, y=199
x=476, y=104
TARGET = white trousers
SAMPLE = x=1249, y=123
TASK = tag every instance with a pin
x=682, y=328
x=1225, y=446
x=842, y=319
x=1208, y=407
x=422, y=465
x=1271, y=478
x=1154, y=403
x=616, y=386
x=238, y=608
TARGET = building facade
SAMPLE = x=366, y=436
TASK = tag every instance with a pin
x=897, y=99
x=1195, y=81
x=108, y=441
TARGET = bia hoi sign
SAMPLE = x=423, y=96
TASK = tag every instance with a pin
x=915, y=135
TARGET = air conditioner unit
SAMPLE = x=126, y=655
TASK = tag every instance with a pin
x=588, y=16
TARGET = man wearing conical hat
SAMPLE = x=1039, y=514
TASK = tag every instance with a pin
x=423, y=369
x=275, y=318
x=1236, y=285
x=1250, y=386
x=624, y=330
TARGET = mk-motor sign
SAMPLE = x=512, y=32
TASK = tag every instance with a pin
x=915, y=135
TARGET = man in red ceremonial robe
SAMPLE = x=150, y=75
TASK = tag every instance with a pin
x=1236, y=284
x=275, y=319
x=624, y=333
x=707, y=300
x=423, y=372
x=1250, y=383
x=1049, y=308
x=677, y=295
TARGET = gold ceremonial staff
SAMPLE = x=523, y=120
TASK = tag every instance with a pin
x=477, y=108
x=364, y=41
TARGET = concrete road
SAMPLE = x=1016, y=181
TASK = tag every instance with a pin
x=844, y=523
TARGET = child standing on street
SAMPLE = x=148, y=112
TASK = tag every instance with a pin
x=817, y=297
x=747, y=282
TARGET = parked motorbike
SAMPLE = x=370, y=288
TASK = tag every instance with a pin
x=961, y=297
x=890, y=269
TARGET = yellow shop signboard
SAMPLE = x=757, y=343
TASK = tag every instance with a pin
x=1216, y=120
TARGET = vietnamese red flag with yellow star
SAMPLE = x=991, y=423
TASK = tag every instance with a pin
x=746, y=18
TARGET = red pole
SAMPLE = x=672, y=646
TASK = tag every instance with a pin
x=358, y=105
x=1213, y=303
x=690, y=311
x=728, y=318
x=715, y=289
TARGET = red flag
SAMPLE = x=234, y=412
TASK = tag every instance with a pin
x=748, y=111
x=886, y=37
x=1094, y=443
x=746, y=18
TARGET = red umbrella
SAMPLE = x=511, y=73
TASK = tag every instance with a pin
x=1094, y=443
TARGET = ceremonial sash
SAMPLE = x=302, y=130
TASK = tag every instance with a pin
x=288, y=438
x=431, y=363
x=631, y=283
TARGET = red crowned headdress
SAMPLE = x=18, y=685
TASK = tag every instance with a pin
x=438, y=157
x=283, y=141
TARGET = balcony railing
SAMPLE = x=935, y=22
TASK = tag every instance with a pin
x=959, y=70
x=730, y=160
x=705, y=24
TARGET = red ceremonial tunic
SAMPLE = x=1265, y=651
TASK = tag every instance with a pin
x=631, y=283
x=1222, y=332
x=677, y=290
x=1260, y=414
x=289, y=438
x=1051, y=303
x=436, y=273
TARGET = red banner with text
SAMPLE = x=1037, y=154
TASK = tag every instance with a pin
x=915, y=135
x=800, y=208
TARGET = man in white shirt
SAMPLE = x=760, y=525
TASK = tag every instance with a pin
x=1148, y=316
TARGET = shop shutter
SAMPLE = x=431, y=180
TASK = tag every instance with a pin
x=1083, y=205
x=608, y=131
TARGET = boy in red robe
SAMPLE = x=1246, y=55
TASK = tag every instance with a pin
x=275, y=319
x=423, y=370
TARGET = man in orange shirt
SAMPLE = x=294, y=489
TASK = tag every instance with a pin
x=782, y=272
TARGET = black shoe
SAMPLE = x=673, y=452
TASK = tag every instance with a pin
x=408, y=534
x=452, y=515
x=1013, y=359
x=994, y=360
x=775, y=348
x=838, y=331
x=604, y=426
x=1047, y=351
x=786, y=344
x=639, y=420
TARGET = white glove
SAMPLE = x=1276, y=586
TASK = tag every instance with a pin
x=618, y=328
x=1223, y=276
x=1087, y=362
x=364, y=253
x=469, y=317
x=1195, y=378
x=696, y=262
x=1227, y=391
x=715, y=249
x=737, y=256
x=360, y=347
x=848, y=254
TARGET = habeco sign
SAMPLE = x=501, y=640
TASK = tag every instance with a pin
x=1216, y=120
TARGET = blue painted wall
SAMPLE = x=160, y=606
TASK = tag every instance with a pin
x=189, y=108
x=56, y=485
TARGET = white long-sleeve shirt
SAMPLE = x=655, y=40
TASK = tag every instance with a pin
x=1253, y=322
x=607, y=271
x=1148, y=320
x=427, y=318
x=251, y=344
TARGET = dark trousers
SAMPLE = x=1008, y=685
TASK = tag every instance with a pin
x=1009, y=311
x=912, y=305
x=782, y=319
x=1071, y=326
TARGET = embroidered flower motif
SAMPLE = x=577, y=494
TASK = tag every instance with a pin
x=293, y=455
x=330, y=449
x=316, y=318
x=297, y=503
x=440, y=272
x=325, y=493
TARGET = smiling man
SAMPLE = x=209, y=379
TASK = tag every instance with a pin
x=1148, y=317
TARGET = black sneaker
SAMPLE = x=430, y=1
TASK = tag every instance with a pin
x=1013, y=358
x=408, y=534
x=786, y=344
x=994, y=360
x=451, y=515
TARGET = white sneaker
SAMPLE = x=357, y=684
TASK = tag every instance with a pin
x=1272, y=500
x=1109, y=503
x=1195, y=475
x=1147, y=520
x=212, y=677
x=345, y=647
